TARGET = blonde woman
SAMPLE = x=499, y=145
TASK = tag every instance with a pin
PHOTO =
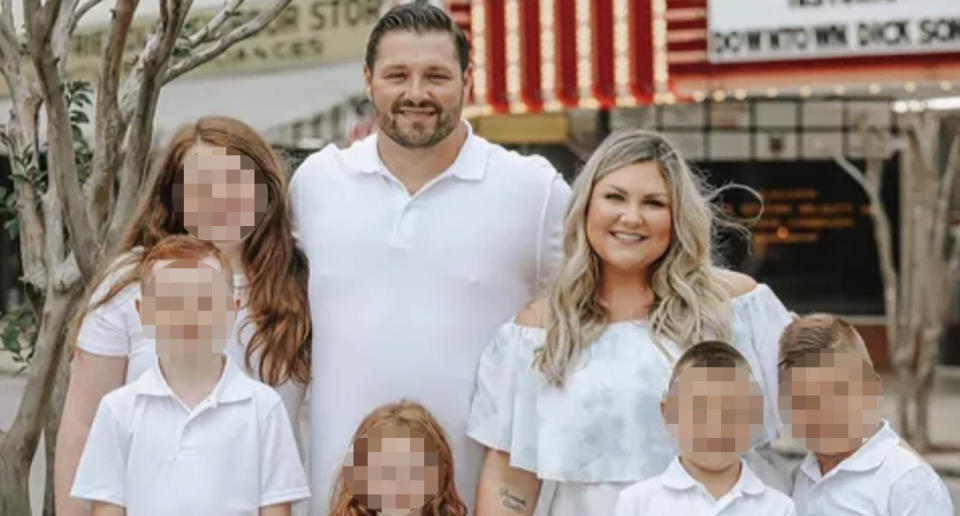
x=568, y=392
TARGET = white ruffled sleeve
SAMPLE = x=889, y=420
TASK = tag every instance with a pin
x=107, y=329
x=759, y=320
x=503, y=413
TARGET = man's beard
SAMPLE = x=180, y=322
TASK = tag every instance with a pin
x=419, y=136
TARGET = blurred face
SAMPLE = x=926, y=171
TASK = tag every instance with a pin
x=831, y=403
x=222, y=201
x=710, y=412
x=628, y=218
x=189, y=309
x=392, y=472
x=417, y=88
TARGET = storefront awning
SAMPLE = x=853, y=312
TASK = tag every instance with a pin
x=266, y=102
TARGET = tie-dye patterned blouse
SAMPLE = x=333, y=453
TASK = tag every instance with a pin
x=603, y=430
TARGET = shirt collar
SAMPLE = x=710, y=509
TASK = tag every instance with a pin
x=677, y=477
x=230, y=388
x=868, y=457
x=470, y=165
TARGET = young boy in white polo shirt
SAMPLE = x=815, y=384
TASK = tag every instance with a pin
x=830, y=398
x=194, y=434
x=711, y=406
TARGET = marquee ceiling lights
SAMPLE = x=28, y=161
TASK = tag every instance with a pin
x=934, y=104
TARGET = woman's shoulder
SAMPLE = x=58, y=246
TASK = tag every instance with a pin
x=534, y=315
x=734, y=283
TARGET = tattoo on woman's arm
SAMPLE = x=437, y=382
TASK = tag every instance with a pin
x=512, y=501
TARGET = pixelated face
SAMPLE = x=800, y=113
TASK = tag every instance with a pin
x=416, y=87
x=831, y=402
x=711, y=412
x=628, y=219
x=188, y=309
x=222, y=200
x=392, y=471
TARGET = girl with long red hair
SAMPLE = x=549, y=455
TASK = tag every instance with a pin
x=219, y=181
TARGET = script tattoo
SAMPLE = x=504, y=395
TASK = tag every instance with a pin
x=512, y=501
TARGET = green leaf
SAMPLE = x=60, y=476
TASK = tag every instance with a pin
x=79, y=117
x=13, y=228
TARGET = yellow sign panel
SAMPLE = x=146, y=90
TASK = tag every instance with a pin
x=542, y=128
x=305, y=33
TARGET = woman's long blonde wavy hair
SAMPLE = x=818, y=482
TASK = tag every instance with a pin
x=690, y=300
x=413, y=418
x=276, y=272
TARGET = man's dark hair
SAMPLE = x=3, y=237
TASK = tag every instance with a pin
x=417, y=17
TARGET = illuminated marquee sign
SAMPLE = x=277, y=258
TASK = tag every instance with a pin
x=773, y=30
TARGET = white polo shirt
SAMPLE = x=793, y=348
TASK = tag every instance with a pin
x=676, y=492
x=406, y=290
x=884, y=477
x=114, y=329
x=233, y=453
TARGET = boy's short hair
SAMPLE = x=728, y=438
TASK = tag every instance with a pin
x=808, y=336
x=711, y=354
x=182, y=247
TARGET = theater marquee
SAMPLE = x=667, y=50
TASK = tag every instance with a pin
x=739, y=31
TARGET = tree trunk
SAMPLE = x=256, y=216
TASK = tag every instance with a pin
x=14, y=477
x=926, y=368
x=19, y=445
x=57, y=399
x=903, y=406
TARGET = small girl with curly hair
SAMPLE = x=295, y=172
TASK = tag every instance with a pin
x=400, y=463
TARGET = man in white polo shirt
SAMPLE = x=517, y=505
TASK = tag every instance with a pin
x=422, y=239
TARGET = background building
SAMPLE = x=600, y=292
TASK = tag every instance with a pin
x=764, y=94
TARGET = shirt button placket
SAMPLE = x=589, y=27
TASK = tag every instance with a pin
x=405, y=225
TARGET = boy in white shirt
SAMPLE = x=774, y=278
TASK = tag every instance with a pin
x=830, y=398
x=193, y=435
x=711, y=407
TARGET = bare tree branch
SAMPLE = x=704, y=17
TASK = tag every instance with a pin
x=67, y=274
x=7, y=27
x=9, y=48
x=220, y=46
x=6, y=17
x=940, y=214
x=22, y=135
x=884, y=240
x=81, y=11
x=920, y=131
x=944, y=270
x=40, y=19
x=204, y=34
x=61, y=160
x=62, y=30
x=138, y=105
x=856, y=175
x=108, y=126
x=54, y=241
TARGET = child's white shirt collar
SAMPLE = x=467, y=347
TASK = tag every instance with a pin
x=227, y=390
x=870, y=456
x=677, y=477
